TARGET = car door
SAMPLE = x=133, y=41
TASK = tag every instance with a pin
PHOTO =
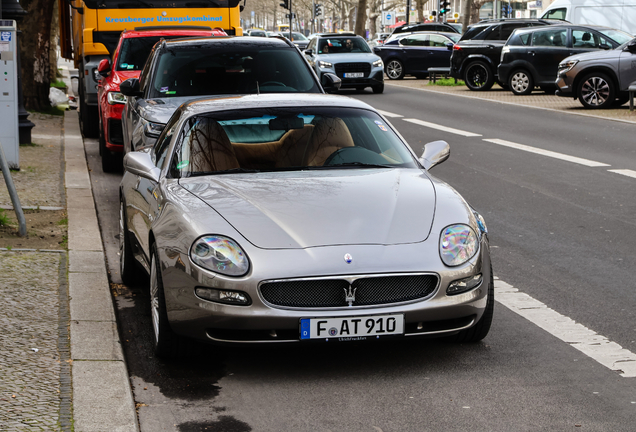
x=627, y=68
x=414, y=52
x=439, y=54
x=549, y=46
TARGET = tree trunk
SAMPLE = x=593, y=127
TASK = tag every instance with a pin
x=34, y=53
x=361, y=18
x=55, y=34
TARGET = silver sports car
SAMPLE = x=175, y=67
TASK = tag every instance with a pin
x=298, y=218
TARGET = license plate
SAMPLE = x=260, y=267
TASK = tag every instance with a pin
x=352, y=328
x=354, y=75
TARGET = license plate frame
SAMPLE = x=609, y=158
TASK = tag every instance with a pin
x=354, y=75
x=356, y=327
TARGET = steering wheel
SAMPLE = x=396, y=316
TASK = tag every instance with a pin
x=274, y=83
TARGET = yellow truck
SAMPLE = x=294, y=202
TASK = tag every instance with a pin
x=95, y=26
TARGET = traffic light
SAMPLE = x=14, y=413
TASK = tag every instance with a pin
x=317, y=9
x=285, y=4
x=444, y=7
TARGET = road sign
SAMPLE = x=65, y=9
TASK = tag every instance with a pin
x=388, y=18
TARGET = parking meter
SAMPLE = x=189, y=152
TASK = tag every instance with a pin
x=9, y=132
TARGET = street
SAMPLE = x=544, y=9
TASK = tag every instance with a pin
x=556, y=191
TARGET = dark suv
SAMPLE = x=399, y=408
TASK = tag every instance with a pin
x=184, y=69
x=531, y=57
x=476, y=56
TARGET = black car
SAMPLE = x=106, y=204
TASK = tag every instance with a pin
x=531, y=57
x=476, y=56
x=418, y=27
x=183, y=69
x=414, y=53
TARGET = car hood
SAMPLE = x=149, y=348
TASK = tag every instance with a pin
x=291, y=210
x=597, y=55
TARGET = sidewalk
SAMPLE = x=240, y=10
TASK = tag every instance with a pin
x=537, y=99
x=62, y=366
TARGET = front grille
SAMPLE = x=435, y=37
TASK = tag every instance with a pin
x=341, y=68
x=115, y=132
x=320, y=293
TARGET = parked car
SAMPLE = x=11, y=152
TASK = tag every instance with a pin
x=599, y=79
x=256, y=33
x=418, y=27
x=476, y=56
x=414, y=53
x=295, y=218
x=349, y=57
x=298, y=39
x=129, y=57
x=531, y=56
x=620, y=14
x=377, y=39
x=180, y=70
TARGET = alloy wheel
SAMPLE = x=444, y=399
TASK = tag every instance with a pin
x=478, y=77
x=154, y=298
x=122, y=245
x=595, y=91
x=520, y=82
x=394, y=69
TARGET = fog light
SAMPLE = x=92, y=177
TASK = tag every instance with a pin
x=463, y=285
x=223, y=296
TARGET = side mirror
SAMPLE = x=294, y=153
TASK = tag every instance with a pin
x=450, y=46
x=130, y=87
x=631, y=47
x=139, y=163
x=605, y=47
x=309, y=52
x=435, y=153
x=104, y=67
x=331, y=83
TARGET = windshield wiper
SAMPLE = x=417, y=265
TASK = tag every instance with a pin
x=230, y=171
x=357, y=164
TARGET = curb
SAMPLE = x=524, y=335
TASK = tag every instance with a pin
x=102, y=395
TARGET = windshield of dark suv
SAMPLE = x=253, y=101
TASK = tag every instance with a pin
x=198, y=70
x=287, y=139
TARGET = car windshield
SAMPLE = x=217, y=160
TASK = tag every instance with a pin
x=343, y=45
x=198, y=70
x=135, y=51
x=620, y=37
x=285, y=139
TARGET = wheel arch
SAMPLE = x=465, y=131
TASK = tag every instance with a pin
x=477, y=57
x=602, y=69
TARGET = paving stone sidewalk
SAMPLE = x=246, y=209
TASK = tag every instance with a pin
x=536, y=99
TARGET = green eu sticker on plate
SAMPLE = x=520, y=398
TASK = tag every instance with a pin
x=182, y=164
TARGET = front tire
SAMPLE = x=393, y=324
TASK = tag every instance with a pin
x=128, y=269
x=596, y=91
x=521, y=82
x=167, y=344
x=394, y=70
x=378, y=89
x=111, y=162
x=88, y=115
x=479, y=77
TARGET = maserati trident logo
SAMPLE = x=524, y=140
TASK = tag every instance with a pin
x=350, y=295
x=348, y=258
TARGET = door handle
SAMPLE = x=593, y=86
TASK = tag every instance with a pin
x=532, y=52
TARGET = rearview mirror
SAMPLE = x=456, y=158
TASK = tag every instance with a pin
x=331, y=83
x=130, y=87
x=434, y=153
x=604, y=46
x=103, y=68
x=631, y=47
x=450, y=46
x=140, y=163
x=309, y=52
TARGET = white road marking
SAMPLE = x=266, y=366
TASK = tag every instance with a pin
x=442, y=128
x=389, y=114
x=625, y=172
x=548, y=153
x=598, y=347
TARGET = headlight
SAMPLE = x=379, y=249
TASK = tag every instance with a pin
x=96, y=75
x=116, y=98
x=153, y=130
x=457, y=244
x=566, y=66
x=378, y=63
x=324, y=64
x=220, y=255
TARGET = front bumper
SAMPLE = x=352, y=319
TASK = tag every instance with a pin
x=113, y=133
x=565, y=87
x=191, y=316
x=375, y=77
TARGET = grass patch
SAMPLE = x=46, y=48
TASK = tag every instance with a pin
x=30, y=145
x=64, y=242
x=4, y=219
x=56, y=111
x=447, y=82
x=63, y=221
x=59, y=84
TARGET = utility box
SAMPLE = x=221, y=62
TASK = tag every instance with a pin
x=9, y=132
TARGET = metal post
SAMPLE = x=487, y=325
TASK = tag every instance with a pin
x=13, y=193
x=291, y=14
x=408, y=12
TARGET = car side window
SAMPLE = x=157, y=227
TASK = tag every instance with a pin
x=552, y=38
x=312, y=44
x=493, y=33
x=558, y=14
x=525, y=38
x=160, y=149
x=415, y=40
x=438, y=41
x=507, y=29
x=585, y=39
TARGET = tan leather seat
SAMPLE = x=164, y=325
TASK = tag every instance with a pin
x=328, y=136
x=292, y=147
x=210, y=148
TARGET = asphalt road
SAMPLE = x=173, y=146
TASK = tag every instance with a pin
x=561, y=226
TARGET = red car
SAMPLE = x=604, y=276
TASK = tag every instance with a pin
x=130, y=56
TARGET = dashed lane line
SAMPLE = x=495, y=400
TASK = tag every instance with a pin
x=598, y=347
x=389, y=114
x=625, y=172
x=548, y=153
x=442, y=128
